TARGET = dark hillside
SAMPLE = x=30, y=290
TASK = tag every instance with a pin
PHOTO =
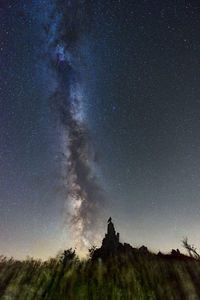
x=114, y=271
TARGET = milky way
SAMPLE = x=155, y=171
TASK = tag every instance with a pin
x=84, y=197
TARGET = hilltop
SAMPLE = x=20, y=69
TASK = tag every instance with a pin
x=112, y=247
x=114, y=271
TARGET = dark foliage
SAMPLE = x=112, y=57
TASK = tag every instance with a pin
x=136, y=276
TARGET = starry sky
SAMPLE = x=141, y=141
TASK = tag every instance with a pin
x=99, y=116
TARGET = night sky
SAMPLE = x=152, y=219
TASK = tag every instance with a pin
x=99, y=116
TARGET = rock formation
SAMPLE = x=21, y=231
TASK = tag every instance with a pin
x=111, y=245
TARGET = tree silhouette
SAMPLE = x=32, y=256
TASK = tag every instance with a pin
x=191, y=249
x=91, y=251
x=68, y=255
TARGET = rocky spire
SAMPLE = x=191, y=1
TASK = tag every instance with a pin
x=111, y=240
x=111, y=246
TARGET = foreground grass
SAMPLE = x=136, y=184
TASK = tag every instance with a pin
x=139, y=277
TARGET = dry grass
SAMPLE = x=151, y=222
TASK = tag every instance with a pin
x=139, y=277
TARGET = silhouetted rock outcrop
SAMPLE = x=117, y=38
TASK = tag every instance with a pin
x=178, y=255
x=111, y=240
x=175, y=254
x=111, y=245
x=143, y=250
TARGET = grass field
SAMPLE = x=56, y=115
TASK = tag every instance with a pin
x=136, y=277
